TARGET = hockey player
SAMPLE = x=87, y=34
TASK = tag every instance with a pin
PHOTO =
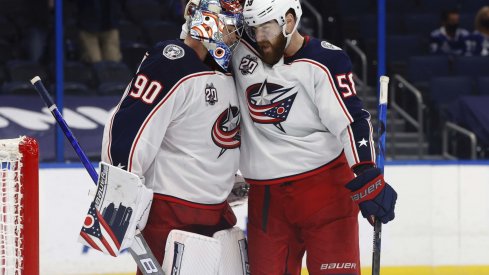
x=177, y=126
x=305, y=134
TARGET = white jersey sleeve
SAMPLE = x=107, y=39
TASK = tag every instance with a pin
x=341, y=110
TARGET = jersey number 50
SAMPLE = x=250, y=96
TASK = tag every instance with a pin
x=345, y=81
x=145, y=89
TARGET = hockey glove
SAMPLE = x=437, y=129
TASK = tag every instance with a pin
x=374, y=196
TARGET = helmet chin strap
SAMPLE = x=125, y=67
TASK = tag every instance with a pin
x=288, y=35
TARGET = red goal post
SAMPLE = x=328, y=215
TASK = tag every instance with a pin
x=19, y=206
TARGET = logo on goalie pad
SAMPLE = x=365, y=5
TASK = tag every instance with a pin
x=97, y=232
x=173, y=52
x=177, y=258
x=243, y=249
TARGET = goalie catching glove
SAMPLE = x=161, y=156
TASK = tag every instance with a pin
x=373, y=195
x=121, y=204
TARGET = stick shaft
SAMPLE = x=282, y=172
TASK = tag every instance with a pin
x=382, y=111
x=144, y=258
x=376, y=247
x=43, y=92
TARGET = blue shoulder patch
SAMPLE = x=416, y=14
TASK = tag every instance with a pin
x=172, y=51
x=172, y=59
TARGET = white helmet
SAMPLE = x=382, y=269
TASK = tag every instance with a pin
x=257, y=12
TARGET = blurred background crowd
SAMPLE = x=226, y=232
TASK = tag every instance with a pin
x=437, y=54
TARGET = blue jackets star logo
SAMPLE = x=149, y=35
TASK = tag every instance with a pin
x=269, y=103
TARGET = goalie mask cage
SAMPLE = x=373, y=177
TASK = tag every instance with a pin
x=19, y=220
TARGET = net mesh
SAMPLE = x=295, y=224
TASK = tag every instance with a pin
x=10, y=207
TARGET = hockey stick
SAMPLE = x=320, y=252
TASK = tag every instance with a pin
x=139, y=250
x=384, y=87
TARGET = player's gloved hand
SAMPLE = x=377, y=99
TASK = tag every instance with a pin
x=374, y=196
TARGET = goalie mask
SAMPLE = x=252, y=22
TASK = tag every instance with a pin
x=218, y=24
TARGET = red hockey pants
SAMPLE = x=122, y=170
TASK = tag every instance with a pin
x=315, y=214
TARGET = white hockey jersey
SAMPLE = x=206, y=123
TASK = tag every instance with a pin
x=178, y=126
x=299, y=115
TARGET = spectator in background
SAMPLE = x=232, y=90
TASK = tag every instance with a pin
x=38, y=26
x=98, y=23
x=479, y=40
x=449, y=38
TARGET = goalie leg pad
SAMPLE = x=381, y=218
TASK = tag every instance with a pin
x=189, y=254
x=234, y=252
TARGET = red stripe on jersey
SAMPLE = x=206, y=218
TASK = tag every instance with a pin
x=189, y=203
x=336, y=93
x=173, y=89
x=298, y=176
x=353, y=145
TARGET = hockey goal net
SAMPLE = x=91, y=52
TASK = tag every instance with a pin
x=19, y=220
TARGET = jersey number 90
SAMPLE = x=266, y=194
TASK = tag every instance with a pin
x=145, y=89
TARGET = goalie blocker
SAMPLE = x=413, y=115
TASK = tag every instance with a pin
x=120, y=205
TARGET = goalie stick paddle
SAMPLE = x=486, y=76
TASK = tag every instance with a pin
x=139, y=250
x=382, y=110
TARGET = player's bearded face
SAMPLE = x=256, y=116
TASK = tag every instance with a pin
x=271, y=41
